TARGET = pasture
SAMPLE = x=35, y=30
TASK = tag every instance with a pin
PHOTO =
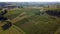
x=38, y=24
x=11, y=15
x=31, y=21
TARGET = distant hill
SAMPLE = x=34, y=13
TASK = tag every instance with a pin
x=28, y=3
x=33, y=3
x=6, y=5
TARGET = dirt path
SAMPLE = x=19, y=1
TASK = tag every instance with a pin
x=18, y=18
x=19, y=29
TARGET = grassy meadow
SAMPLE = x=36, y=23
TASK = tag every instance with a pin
x=38, y=23
x=35, y=23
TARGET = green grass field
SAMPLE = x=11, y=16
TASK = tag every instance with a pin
x=35, y=23
x=11, y=14
x=38, y=24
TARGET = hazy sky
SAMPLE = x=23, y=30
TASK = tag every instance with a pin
x=29, y=0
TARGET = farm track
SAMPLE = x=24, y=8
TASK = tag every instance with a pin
x=14, y=29
x=18, y=18
x=19, y=29
x=11, y=30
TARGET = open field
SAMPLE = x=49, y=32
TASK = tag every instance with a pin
x=30, y=21
x=29, y=17
x=18, y=18
x=38, y=24
x=13, y=29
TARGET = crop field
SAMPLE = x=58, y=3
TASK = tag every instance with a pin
x=38, y=24
x=11, y=30
x=31, y=21
x=11, y=15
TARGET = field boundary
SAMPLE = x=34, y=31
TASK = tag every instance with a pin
x=18, y=18
x=19, y=29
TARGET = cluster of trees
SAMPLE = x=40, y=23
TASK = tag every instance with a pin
x=2, y=13
x=7, y=25
x=3, y=19
x=53, y=12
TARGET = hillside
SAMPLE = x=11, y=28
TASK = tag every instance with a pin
x=45, y=20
